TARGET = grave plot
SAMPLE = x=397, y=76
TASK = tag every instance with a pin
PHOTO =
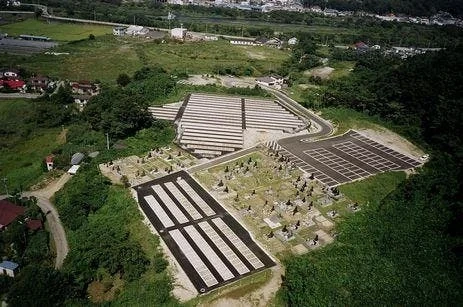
x=166, y=112
x=156, y=163
x=345, y=158
x=209, y=244
x=269, y=115
x=212, y=125
x=283, y=207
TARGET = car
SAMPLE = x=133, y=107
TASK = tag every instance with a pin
x=424, y=157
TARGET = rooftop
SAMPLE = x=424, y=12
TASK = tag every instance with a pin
x=9, y=265
x=9, y=212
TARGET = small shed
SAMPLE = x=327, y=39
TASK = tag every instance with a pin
x=178, y=33
x=9, y=268
x=77, y=158
x=49, y=160
x=73, y=170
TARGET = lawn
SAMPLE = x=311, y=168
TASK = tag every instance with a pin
x=373, y=189
x=345, y=119
x=23, y=151
x=63, y=32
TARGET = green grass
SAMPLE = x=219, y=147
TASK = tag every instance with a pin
x=341, y=68
x=63, y=32
x=373, y=189
x=106, y=57
x=345, y=119
x=23, y=151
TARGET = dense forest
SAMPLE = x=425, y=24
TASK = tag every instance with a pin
x=408, y=248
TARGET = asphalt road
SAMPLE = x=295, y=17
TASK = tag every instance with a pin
x=325, y=127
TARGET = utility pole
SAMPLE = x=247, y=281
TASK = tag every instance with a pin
x=107, y=141
x=5, y=182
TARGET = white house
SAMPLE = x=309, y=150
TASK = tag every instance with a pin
x=81, y=101
x=136, y=30
x=178, y=33
x=272, y=81
x=119, y=31
x=292, y=41
x=8, y=268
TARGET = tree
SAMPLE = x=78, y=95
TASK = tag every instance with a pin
x=41, y=286
x=123, y=79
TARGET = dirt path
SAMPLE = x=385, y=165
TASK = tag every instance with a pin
x=260, y=297
x=56, y=227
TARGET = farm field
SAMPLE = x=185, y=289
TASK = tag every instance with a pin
x=107, y=56
x=62, y=32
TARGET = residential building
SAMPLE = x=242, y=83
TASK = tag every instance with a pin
x=49, y=160
x=178, y=33
x=119, y=31
x=272, y=81
x=38, y=83
x=9, y=268
x=136, y=30
x=9, y=212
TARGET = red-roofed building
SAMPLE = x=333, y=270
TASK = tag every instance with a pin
x=34, y=224
x=49, y=161
x=9, y=212
x=13, y=84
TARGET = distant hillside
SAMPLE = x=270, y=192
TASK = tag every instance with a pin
x=409, y=7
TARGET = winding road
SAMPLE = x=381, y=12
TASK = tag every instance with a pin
x=54, y=223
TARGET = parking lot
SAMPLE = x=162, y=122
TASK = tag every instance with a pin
x=209, y=244
x=345, y=158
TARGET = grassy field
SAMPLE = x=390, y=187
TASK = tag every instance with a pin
x=21, y=157
x=106, y=57
x=64, y=32
x=373, y=189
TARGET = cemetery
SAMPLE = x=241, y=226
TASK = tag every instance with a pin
x=285, y=208
x=156, y=163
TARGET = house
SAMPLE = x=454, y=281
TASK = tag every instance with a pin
x=9, y=73
x=49, y=162
x=85, y=88
x=119, y=31
x=292, y=41
x=178, y=33
x=361, y=47
x=9, y=212
x=267, y=81
x=34, y=224
x=136, y=30
x=274, y=42
x=272, y=81
x=38, y=83
x=9, y=268
x=14, y=84
x=81, y=101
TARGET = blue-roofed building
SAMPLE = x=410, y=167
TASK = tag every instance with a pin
x=9, y=268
